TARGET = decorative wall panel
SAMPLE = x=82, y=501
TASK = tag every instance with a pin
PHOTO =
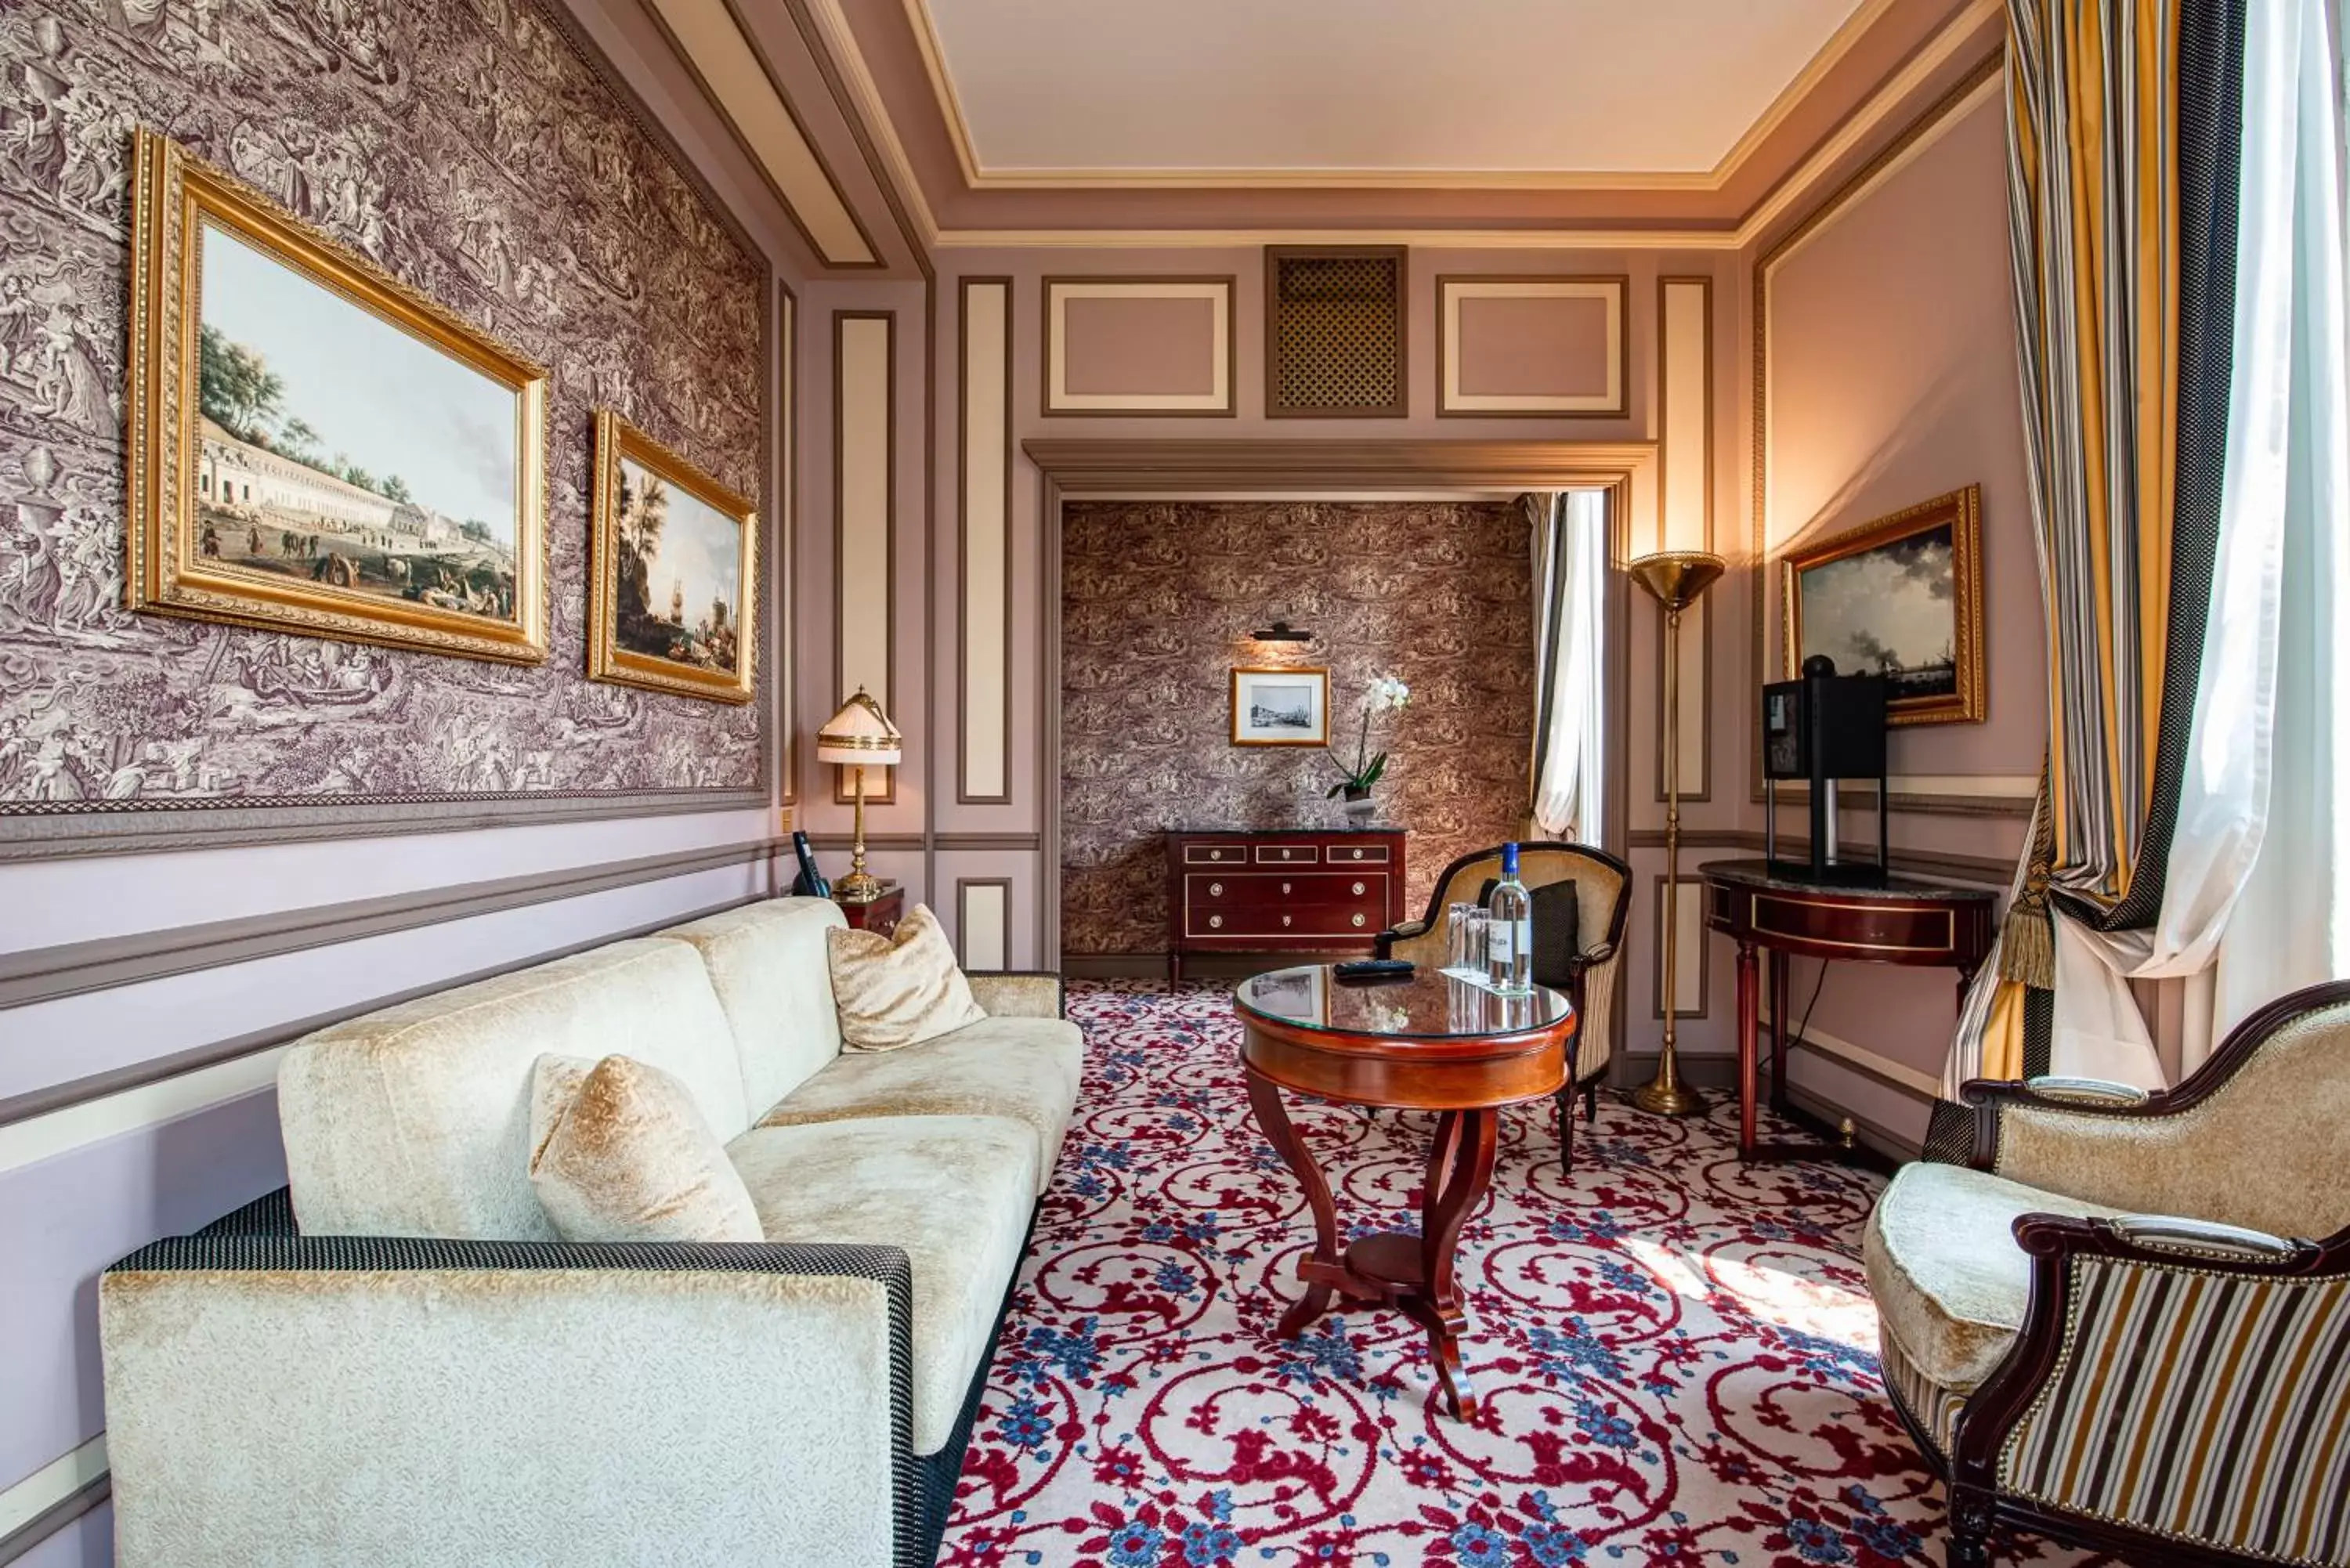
x=476, y=153
x=1685, y=494
x=1336, y=332
x=984, y=922
x=985, y=755
x=1547, y=347
x=1158, y=599
x=1138, y=346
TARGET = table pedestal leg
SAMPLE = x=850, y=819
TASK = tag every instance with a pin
x=1459, y=1169
x=1273, y=1120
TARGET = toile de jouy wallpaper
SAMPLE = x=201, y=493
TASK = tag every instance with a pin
x=467, y=147
x=1157, y=600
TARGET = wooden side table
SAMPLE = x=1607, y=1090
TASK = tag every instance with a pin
x=878, y=914
x=1431, y=1043
x=1900, y=920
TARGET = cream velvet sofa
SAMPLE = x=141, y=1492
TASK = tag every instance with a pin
x=395, y=1360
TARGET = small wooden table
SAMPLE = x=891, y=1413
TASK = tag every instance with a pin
x=880, y=914
x=1760, y=905
x=1428, y=1043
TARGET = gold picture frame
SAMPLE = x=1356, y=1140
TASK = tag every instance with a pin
x=1895, y=568
x=324, y=547
x=711, y=654
x=1265, y=726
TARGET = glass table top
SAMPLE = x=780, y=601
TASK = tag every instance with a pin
x=1431, y=1005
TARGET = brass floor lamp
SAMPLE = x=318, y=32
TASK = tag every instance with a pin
x=1674, y=578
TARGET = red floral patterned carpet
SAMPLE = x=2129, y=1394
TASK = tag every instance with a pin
x=1675, y=1354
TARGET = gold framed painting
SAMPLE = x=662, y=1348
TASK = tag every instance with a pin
x=673, y=603
x=313, y=446
x=1901, y=597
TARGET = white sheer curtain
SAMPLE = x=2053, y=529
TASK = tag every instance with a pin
x=1570, y=578
x=2253, y=899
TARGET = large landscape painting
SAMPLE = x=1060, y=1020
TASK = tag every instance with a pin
x=403, y=483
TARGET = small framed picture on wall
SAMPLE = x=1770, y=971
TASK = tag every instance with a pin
x=1280, y=707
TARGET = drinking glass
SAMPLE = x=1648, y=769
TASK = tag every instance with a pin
x=1458, y=959
x=1474, y=929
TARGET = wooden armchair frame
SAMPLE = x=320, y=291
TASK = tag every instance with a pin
x=1593, y=956
x=2109, y=1299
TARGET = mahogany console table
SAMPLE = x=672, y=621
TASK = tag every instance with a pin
x=1429, y=1043
x=1280, y=889
x=1898, y=921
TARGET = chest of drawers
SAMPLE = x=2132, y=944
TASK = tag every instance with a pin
x=1303, y=890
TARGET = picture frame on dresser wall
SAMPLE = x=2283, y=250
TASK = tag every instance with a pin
x=1533, y=346
x=1901, y=596
x=673, y=602
x=1281, y=706
x=273, y=487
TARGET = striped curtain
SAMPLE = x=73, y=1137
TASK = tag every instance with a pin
x=2120, y=138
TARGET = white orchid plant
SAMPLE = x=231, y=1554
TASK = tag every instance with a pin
x=1384, y=694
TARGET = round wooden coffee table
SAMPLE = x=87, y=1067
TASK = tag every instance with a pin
x=1427, y=1044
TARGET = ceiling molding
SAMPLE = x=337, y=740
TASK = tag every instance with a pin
x=1888, y=98
x=840, y=41
x=978, y=177
x=1892, y=98
x=738, y=78
x=1083, y=468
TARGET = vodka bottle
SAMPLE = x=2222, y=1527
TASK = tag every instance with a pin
x=1509, y=940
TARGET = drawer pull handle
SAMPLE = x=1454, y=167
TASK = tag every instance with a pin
x=1359, y=855
x=1215, y=889
x=1358, y=919
x=1284, y=886
x=1285, y=920
x=1358, y=889
x=1215, y=922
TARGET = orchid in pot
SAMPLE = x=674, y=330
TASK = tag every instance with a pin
x=1384, y=694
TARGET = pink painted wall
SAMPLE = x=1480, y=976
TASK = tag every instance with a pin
x=1892, y=378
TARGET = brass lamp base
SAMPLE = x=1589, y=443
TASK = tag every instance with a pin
x=1668, y=1098
x=856, y=888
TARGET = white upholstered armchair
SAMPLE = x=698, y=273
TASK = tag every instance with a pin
x=2125, y=1322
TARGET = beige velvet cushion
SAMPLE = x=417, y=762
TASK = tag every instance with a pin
x=1024, y=1070
x=899, y=990
x=768, y=965
x=415, y=1120
x=620, y=1153
x=2262, y=1150
x=954, y=1191
x=1950, y=1283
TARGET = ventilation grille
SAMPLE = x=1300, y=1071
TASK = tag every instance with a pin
x=1335, y=333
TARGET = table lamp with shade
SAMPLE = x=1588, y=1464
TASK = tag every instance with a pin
x=858, y=736
x=1674, y=578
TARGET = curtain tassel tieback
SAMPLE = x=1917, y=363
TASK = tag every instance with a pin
x=2027, y=939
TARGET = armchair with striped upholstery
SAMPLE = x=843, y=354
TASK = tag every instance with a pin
x=1603, y=897
x=2125, y=1322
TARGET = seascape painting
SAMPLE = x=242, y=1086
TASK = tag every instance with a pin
x=1890, y=611
x=676, y=548
x=338, y=449
x=1900, y=597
